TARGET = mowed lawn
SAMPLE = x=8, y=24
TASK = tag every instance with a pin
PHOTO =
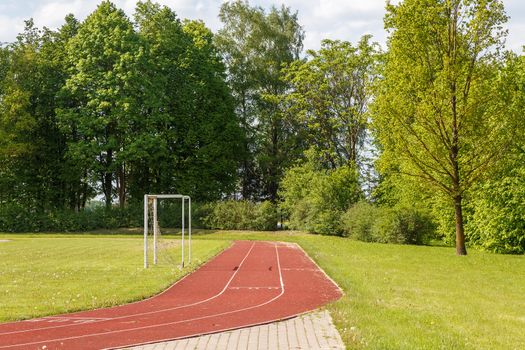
x=396, y=297
x=417, y=297
x=49, y=274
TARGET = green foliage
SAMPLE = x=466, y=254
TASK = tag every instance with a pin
x=498, y=219
x=400, y=225
x=443, y=112
x=105, y=81
x=241, y=215
x=255, y=45
x=115, y=108
x=329, y=94
x=32, y=163
x=315, y=198
x=17, y=218
x=358, y=220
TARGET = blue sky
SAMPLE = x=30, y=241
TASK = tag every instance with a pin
x=333, y=19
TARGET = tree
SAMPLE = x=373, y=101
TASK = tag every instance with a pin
x=33, y=147
x=191, y=139
x=441, y=113
x=105, y=84
x=255, y=45
x=329, y=94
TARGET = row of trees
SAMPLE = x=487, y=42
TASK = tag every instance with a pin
x=118, y=107
x=114, y=107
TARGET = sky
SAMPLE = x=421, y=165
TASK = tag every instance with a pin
x=321, y=19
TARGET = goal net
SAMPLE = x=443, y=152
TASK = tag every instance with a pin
x=163, y=242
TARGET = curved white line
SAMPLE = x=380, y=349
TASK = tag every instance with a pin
x=33, y=320
x=142, y=313
x=169, y=323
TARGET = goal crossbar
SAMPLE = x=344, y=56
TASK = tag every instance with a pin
x=154, y=197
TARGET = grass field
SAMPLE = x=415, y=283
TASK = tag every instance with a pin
x=396, y=297
x=49, y=274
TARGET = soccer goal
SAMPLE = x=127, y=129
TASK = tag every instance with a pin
x=152, y=227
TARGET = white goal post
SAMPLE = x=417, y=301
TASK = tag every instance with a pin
x=154, y=198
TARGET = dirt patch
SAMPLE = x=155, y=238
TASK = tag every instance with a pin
x=4, y=240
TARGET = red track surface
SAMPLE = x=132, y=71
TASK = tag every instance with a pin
x=247, y=284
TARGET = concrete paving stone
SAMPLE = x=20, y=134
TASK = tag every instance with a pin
x=234, y=339
x=272, y=336
x=282, y=336
x=263, y=337
x=223, y=340
x=243, y=339
x=312, y=331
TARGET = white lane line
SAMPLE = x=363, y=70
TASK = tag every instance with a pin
x=298, y=246
x=168, y=323
x=74, y=318
x=254, y=287
x=149, y=312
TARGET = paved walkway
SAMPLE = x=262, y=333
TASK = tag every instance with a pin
x=311, y=331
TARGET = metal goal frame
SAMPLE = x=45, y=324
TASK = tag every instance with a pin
x=155, y=197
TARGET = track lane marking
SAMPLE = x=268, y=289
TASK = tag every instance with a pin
x=169, y=323
x=143, y=313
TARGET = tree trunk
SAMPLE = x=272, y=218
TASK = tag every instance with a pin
x=108, y=179
x=122, y=186
x=460, y=232
x=454, y=152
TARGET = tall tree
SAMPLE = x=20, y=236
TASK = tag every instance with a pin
x=441, y=114
x=193, y=135
x=33, y=147
x=329, y=94
x=105, y=82
x=255, y=45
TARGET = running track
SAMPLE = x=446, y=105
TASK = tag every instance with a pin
x=249, y=283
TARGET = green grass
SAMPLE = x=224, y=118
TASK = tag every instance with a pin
x=45, y=274
x=417, y=297
x=396, y=297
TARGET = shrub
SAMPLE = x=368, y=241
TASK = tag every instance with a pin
x=498, y=220
x=314, y=199
x=241, y=215
x=266, y=216
x=369, y=223
x=401, y=226
x=358, y=221
x=16, y=218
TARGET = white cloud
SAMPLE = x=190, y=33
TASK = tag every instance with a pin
x=333, y=19
x=9, y=28
x=52, y=14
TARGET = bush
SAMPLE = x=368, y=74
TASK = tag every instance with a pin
x=368, y=223
x=238, y=215
x=402, y=226
x=16, y=218
x=241, y=215
x=498, y=220
x=314, y=199
x=358, y=221
x=266, y=216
